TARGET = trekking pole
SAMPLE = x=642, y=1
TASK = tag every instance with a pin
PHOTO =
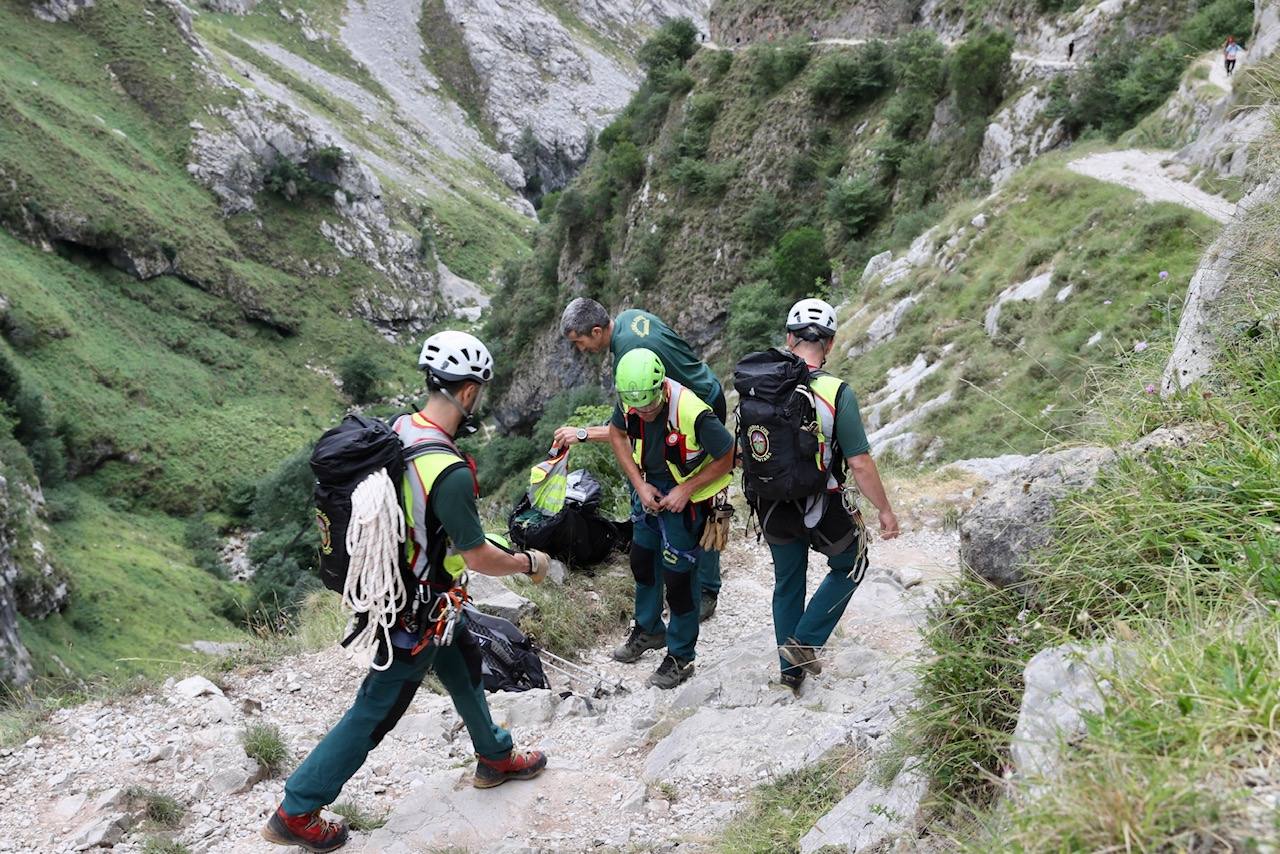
x=577, y=673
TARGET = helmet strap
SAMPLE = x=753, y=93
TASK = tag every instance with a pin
x=469, y=423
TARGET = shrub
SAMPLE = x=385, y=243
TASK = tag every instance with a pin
x=160, y=845
x=718, y=64
x=561, y=408
x=979, y=68
x=202, y=539
x=762, y=223
x=800, y=260
x=624, y=165
x=700, y=118
x=264, y=743
x=157, y=806
x=646, y=261
x=674, y=42
x=854, y=203
x=359, y=375
x=701, y=179
x=920, y=63
x=757, y=316
x=845, y=81
x=501, y=457
x=775, y=67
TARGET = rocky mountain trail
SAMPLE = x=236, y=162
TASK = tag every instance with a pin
x=1147, y=172
x=643, y=769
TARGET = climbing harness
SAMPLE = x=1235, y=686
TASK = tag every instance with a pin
x=374, y=586
x=443, y=616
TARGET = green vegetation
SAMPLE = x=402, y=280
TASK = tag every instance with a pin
x=574, y=615
x=161, y=845
x=264, y=743
x=359, y=374
x=844, y=82
x=157, y=807
x=783, y=811
x=1026, y=387
x=1171, y=555
x=357, y=819
x=1124, y=81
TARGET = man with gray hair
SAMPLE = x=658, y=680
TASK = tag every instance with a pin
x=587, y=325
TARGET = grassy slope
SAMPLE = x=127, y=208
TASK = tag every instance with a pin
x=205, y=398
x=1104, y=241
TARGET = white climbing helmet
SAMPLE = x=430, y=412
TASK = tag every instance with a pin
x=812, y=312
x=451, y=356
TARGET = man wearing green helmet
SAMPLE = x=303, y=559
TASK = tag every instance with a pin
x=678, y=456
x=587, y=325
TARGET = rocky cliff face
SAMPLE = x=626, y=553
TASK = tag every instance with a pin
x=30, y=584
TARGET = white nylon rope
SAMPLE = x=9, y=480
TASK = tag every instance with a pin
x=374, y=585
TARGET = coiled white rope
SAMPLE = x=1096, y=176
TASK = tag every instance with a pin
x=374, y=585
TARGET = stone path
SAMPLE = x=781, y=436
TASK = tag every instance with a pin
x=1145, y=173
x=646, y=770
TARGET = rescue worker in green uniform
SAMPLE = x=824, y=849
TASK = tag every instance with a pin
x=444, y=538
x=589, y=328
x=827, y=522
x=678, y=456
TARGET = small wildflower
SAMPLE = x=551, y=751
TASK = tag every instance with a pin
x=1164, y=274
x=1083, y=617
x=1150, y=389
x=1106, y=302
x=1139, y=346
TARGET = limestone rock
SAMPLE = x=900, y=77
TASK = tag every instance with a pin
x=1063, y=684
x=30, y=584
x=1016, y=135
x=490, y=595
x=1028, y=291
x=230, y=7
x=871, y=815
x=1202, y=321
x=1010, y=520
x=747, y=743
x=523, y=708
x=877, y=265
x=59, y=10
x=447, y=813
x=102, y=831
x=196, y=686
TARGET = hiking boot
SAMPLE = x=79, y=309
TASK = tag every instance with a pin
x=801, y=656
x=793, y=679
x=308, y=831
x=707, y=607
x=519, y=765
x=671, y=672
x=637, y=642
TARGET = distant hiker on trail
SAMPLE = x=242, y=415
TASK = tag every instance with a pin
x=1230, y=52
x=678, y=456
x=444, y=537
x=589, y=328
x=795, y=481
x=1071, y=50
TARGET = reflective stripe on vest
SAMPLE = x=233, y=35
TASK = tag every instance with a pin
x=419, y=477
x=826, y=389
x=683, y=410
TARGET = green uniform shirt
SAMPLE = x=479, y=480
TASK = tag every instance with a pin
x=851, y=436
x=712, y=436
x=453, y=498
x=635, y=328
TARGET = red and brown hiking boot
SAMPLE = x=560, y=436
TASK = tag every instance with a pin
x=308, y=831
x=519, y=765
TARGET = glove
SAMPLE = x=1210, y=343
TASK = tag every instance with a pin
x=539, y=565
x=715, y=534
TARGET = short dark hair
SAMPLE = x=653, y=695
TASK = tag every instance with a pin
x=582, y=315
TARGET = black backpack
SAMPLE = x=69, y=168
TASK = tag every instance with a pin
x=508, y=661
x=343, y=457
x=777, y=428
x=578, y=534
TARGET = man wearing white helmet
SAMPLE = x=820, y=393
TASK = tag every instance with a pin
x=444, y=537
x=835, y=530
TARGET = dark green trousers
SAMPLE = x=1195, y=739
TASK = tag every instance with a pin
x=381, y=701
x=813, y=623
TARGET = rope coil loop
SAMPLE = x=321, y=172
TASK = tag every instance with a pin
x=374, y=585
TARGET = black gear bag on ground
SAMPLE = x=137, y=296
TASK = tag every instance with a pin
x=777, y=428
x=343, y=457
x=578, y=534
x=508, y=661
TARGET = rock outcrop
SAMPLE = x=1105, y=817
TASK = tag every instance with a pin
x=1011, y=520
x=30, y=584
x=1016, y=135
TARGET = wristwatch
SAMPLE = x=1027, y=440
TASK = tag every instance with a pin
x=582, y=434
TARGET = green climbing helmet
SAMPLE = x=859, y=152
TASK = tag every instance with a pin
x=639, y=378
